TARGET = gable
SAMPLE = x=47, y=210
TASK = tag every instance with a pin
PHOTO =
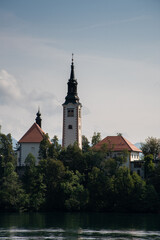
x=34, y=135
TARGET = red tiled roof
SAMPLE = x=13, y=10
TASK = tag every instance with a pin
x=117, y=143
x=33, y=135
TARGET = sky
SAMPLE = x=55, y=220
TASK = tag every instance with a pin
x=116, y=46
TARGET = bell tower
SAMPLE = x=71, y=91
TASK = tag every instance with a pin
x=72, y=114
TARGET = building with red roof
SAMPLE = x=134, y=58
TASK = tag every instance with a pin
x=116, y=146
x=30, y=142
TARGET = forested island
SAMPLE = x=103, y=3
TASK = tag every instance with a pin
x=72, y=179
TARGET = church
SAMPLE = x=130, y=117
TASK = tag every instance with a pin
x=72, y=127
x=72, y=131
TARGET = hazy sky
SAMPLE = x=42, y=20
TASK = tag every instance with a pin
x=116, y=46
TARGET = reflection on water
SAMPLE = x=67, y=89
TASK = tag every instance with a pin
x=80, y=234
x=27, y=226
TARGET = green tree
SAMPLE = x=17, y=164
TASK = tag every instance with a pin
x=72, y=157
x=7, y=153
x=96, y=187
x=151, y=199
x=155, y=181
x=12, y=196
x=151, y=146
x=44, y=147
x=149, y=167
x=34, y=185
x=93, y=159
x=109, y=166
x=137, y=202
x=96, y=138
x=119, y=134
x=85, y=144
x=53, y=172
x=54, y=148
x=123, y=185
x=75, y=195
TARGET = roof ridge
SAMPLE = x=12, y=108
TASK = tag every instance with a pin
x=126, y=141
x=40, y=129
x=30, y=131
x=119, y=143
x=26, y=132
x=131, y=145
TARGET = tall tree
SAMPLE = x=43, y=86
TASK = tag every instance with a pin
x=44, y=147
x=85, y=144
x=54, y=148
x=12, y=196
x=96, y=138
x=34, y=184
x=75, y=195
x=7, y=153
x=149, y=167
x=53, y=172
x=73, y=158
x=151, y=146
x=137, y=200
x=155, y=180
x=97, y=189
x=123, y=185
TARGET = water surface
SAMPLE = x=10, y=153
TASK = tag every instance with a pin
x=89, y=226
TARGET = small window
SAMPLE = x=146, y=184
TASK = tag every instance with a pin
x=70, y=112
x=79, y=113
x=69, y=126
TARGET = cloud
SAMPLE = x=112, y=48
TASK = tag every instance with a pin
x=45, y=100
x=11, y=92
x=9, y=89
x=20, y=105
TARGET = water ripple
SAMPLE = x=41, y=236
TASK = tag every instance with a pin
x=79, y=234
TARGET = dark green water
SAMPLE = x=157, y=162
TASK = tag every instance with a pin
x=89, y=226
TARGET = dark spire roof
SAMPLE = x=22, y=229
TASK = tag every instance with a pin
x=38, y=118
x=72, y=95
x=72, y=77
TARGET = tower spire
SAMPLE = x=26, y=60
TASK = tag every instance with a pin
x=38, y=118
x=72, y=95
x=72, y=77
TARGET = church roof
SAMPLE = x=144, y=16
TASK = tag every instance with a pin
x=117, y=143
x=33, y=135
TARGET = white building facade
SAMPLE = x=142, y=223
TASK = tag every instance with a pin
x=25, y=149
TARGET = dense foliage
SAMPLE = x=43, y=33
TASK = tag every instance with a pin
x=74, y=180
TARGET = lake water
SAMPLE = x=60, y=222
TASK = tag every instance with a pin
x=89, y=226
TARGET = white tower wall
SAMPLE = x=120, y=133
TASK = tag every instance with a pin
x=72, y=124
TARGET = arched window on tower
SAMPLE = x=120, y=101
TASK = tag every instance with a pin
x=69, y=126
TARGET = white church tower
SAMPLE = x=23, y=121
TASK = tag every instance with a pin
x=72, y=128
